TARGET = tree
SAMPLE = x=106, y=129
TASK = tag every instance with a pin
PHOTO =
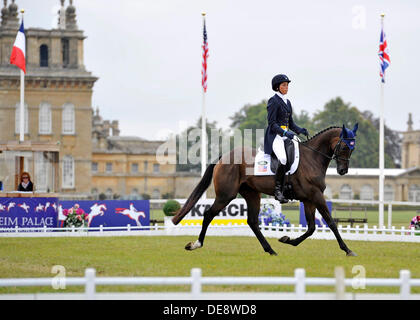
x=366, y=153
x=393, y=139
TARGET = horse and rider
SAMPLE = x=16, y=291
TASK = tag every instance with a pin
x=307, y=182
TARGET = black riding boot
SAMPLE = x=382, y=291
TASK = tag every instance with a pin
x=279, y=186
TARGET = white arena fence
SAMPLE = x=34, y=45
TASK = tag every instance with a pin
x=359, y=234
x=197, y=281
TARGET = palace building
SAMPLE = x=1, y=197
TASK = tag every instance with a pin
x=58, y=95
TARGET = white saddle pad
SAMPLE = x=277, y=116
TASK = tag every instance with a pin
x=262, y=165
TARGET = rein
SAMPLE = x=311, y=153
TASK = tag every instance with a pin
x=335, y=154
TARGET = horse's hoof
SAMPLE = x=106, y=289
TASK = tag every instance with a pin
x=284, y=239
x=193, y=245
x=351, y=254
x=273, y=253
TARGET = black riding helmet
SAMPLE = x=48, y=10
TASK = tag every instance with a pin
x=277, y=80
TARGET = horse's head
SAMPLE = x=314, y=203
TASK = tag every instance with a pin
x=344, y=146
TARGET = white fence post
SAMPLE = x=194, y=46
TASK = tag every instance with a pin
x=389, y=216
x=90, y=286
x=340, y=286
x=196, y=283
x=300, y=284
x=405, y=284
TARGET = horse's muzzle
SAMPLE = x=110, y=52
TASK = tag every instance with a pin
x=342, y=171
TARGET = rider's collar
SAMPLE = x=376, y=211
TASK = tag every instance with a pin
x=283, y=96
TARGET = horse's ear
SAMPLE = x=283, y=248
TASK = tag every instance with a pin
x=343, y=132
x=356, y=126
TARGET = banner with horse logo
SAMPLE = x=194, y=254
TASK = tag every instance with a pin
x=28, y=212
x=108, y=213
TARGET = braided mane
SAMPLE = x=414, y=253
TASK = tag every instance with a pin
x=321, y=132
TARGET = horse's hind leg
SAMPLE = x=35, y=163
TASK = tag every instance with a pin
x=253, y=201
x=310, y=219
x=217, y=206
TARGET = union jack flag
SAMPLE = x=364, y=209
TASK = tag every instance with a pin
x=383, y=55
x=205, y=56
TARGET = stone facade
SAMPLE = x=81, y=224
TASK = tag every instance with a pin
x=127, y=167
x=56, y=82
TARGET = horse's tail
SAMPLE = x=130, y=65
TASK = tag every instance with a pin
x=195, y=195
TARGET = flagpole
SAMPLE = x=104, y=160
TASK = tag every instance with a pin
x=203, y=131
x=22, y=102
x=381, y=146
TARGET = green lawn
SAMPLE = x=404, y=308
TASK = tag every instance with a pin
x=221, y=256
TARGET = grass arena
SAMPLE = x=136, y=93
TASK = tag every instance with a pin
x=140, y=256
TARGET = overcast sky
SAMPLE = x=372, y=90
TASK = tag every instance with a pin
x=147, y=55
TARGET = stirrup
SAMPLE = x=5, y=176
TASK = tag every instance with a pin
x=279, y=196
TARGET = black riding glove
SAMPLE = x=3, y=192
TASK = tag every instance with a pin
x=304, y=132
x=289, y=134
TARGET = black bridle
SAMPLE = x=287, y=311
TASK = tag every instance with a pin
x=337, y=150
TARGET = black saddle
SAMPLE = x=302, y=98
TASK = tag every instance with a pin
x=289, y=146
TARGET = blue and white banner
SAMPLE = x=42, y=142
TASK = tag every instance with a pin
x=28, y=212
x=109, y=213
x=318, y=218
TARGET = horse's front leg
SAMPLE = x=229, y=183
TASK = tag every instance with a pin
x=310, y=219
x=325, y=213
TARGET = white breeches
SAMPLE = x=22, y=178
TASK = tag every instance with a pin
x=278, y=148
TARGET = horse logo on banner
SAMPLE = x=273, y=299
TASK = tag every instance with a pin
x=132, y=213
x=95, y=210
x=24, y=206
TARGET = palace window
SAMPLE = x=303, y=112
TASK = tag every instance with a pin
x=134, y=168
x=108, y=193
x=108, y=167
x=414, y=193
x=134, y=194
x=43, y=56
x=156, y=168
x=95, y=193
x=388, y=192
x=156, y=194
x=68, y=119
x=366, y=192
x=65, y=50
x=68, y=172
x=45, y=118
x=345, y=192
x=94, y=167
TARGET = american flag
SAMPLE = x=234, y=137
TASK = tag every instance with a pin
x=383, y=55
x=205, y=56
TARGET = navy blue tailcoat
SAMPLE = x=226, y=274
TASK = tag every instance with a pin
x=278, y=114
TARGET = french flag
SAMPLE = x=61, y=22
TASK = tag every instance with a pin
x=18, y=53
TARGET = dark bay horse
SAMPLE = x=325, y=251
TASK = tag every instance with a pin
x=308, y=185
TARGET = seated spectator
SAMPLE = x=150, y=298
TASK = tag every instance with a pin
x=25, y=182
